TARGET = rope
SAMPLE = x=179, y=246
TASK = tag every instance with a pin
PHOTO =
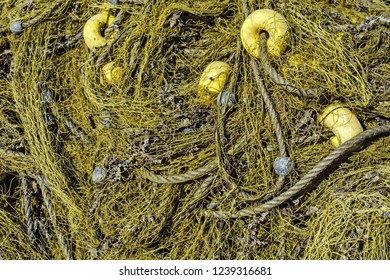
x=278, y=79
x=274, y=119
x=34, y=20
x=191, y=175
x=107, y=32
x=29, y=216
x=77, y=132
x=118, y=19
x=307, y=181
x=181, y=178
x=68, y=43
x=50, y=208
x=271, y=110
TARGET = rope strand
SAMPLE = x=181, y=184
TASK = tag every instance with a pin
x=50, y=209
x=307, y=181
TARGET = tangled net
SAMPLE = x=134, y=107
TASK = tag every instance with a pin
x=83, y=161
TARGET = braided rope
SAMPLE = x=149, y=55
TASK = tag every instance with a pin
x=119, y=37
x=78, y=132
x=181, y=178
x=200, y=192
x=118, y=19
x=274, y=119
x=29, y=215
x=277, y=78
x=69, y=42
x=50, y=208
x=34, y=20
x=307, y=181
x=191, y=175
x=107, y=32
x=271, y=110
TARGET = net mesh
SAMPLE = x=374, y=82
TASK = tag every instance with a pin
x=150, y=118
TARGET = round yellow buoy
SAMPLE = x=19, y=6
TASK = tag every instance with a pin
x=265, y=20
x=92, y=30
x=111, y=74
x=212, y=81
x=343, y=123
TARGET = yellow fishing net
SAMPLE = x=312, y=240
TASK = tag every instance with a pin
x=74, y=145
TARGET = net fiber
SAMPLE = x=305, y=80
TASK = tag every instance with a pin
x=133, y=166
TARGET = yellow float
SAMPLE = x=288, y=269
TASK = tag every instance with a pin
x=271, y=22
x=92, y=30
x=212, y=81
x=111, y=74
x=343, y=123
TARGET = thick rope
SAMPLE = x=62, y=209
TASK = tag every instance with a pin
x=48, y=11
x=29, y=216
x=108, y=32
x=191, y=175
x=119, y=37
x=278, y=79
x=67, y=43
x=307, y=181
x=77, y=132
x=274, y=119
x=181, y=178
x=50, y=208
x=271, y=110
x=117, y=21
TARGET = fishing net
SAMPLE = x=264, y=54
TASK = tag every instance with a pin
x=136, y=167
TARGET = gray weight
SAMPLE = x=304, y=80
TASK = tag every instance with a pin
x=98, y=175
x=283, y=166
x=16, y=27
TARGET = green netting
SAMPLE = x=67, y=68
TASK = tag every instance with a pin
x=150, y=119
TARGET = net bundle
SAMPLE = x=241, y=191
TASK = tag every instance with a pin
x=130, y=165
